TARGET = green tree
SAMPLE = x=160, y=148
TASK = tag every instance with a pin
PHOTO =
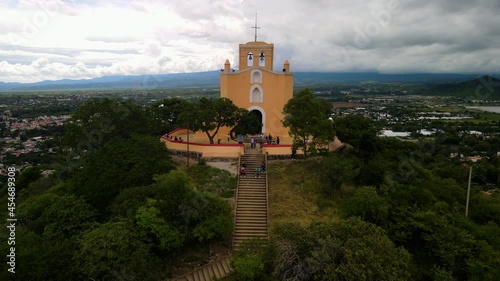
x=129, y=199
x=373, y=171
x=249, y=123
x=335, y=171
x=148, y=217
x=67, y=217
x=165, y=114
x=368, y=205
x=40, y=258
x=118, y=165
x=209, y=115
x=307, y=117
x=29, y=175
x=202, y=215
x=116, y=251
x=348, y=250
x=358, y=131
x=101, y=120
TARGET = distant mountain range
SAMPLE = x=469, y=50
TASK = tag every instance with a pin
x=210, y=79
x=484, y=87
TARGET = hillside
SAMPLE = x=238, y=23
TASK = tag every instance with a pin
x=485, y=87
x=379, y=221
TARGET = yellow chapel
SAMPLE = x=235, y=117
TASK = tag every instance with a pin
x=256, y=87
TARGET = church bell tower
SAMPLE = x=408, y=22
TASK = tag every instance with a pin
x=257, y=87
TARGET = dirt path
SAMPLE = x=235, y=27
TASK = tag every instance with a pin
x=228, y=166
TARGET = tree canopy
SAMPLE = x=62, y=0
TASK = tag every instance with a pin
x=100, y=120
x=359, y=132
x=347, y=250
x=249, y=123
x=209, y=115
x=120, y=164
x=308, y=117
x=165, y=114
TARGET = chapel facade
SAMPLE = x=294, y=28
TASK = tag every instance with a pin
x=256, y=87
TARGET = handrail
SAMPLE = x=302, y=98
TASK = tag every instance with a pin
x=236, y=198
x=267, y=195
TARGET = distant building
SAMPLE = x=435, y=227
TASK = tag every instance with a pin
x=474, y=158
x=477, y=133
x=390, y=133
x=426, y=132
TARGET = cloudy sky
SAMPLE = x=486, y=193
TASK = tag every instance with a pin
x=75, y=39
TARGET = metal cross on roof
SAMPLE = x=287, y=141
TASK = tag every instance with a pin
x=255, y=27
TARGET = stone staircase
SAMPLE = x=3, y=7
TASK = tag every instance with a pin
x=251, y=201
x=212, y=271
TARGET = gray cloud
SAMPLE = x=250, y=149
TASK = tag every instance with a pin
x=319, y=35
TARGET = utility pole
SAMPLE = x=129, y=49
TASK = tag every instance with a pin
x=468, y=193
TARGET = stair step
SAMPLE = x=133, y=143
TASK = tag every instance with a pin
x=246, y=212
x=247, y=237
x=242, y=236
x=250, y=220
x=259, y=223
x=257, y=200
x=226, y=266
x=256, y=227
x=252, y=193
x=251, y=227
x=249, y=208
x=249, y=191
x=253, y=205
x=246, y=233
x=255, y=196
x=252, y=209
x=259, y=206
x=242, y=214
x=252, y=196
x=262, y=215
x=220, y=269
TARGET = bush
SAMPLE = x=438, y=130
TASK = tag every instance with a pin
x=249, y=260
x=348, y=250
x=367, y=204
x=249, y=267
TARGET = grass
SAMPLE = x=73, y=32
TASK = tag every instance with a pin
x=294, y=194
x=213, y=180
x=490, y=116
x=449, y=109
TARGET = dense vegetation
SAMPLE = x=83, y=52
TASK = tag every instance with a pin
x=117, y=207
x=385, y=210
